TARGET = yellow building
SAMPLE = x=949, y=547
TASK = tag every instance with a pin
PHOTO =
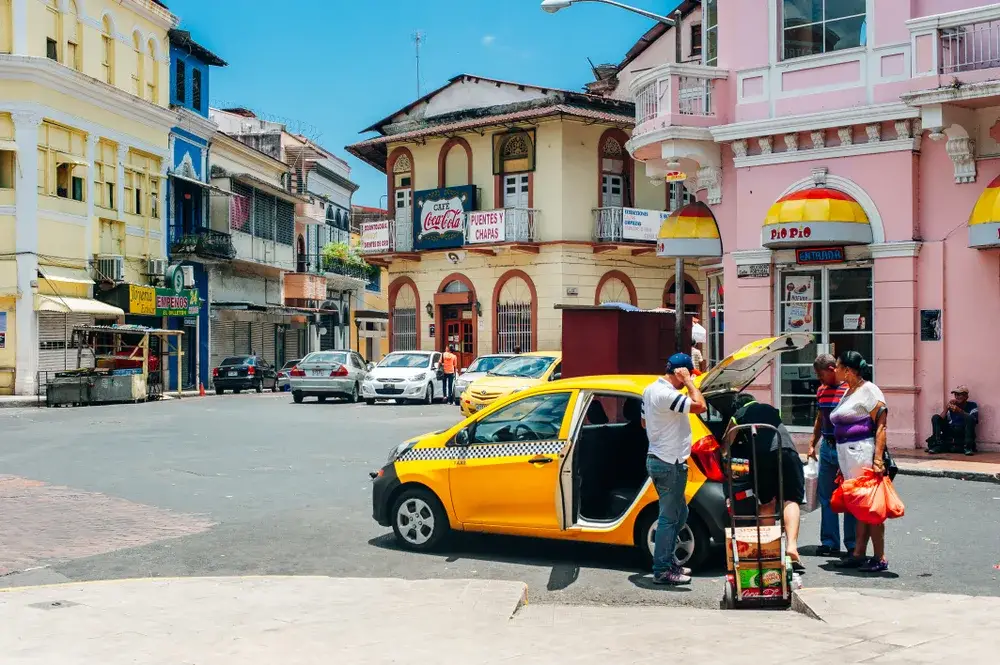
x=505, y=201
x=84, y=125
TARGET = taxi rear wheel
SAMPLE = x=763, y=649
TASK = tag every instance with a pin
x=693, y=540
x=419, y=522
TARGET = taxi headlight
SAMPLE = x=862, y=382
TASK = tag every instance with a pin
x=517, y=390
x=399, y=451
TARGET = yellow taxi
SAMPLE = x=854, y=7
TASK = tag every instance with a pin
x=565, y=460
x=519, y=373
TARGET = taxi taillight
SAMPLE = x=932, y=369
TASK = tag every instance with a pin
x=705, y=452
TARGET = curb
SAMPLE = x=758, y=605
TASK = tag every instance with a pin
x=972, y=476
x=27, y=402
x=802, y=607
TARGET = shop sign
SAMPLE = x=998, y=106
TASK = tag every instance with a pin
x=820, y=255
x=791, y=233
x=177, y=303
x=642, y=224
x=375, y=237
x=930, y=325
x=439, y=216
x=798, y=294
x=753, y=270
x=675, y=176
x=141, y=300
x=487, y=226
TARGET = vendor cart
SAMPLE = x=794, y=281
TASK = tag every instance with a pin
x=758, y=572
x=129, y=366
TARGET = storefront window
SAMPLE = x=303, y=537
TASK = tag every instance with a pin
x=716, y=321
x=835, y=305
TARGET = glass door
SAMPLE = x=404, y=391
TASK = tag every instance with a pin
x=835, y=305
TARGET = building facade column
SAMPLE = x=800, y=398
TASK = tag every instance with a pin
x=19, y=18
x=93, y=226
x=26, y=244
x=120, y=184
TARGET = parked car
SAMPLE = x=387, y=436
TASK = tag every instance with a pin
x=477, y=370
x=511, y=376
x=323, y=374
x=239, y=373
x=405, y=376
x=284, y=374
x=575, y=450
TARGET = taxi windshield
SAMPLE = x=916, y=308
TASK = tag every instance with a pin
x=526, y=367
x=486, y=363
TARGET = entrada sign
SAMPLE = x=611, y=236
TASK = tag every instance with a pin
x=820, y=255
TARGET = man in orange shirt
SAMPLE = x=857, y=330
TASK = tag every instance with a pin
x=449, y=363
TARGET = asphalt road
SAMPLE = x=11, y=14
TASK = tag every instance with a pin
x=253, y=484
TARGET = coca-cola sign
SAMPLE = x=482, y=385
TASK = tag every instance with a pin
x=439, y=216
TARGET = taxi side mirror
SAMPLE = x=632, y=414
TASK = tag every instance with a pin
x=462, y=438
x=370, y=366
x=556, y=376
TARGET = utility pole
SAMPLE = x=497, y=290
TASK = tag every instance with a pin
x=418, y=39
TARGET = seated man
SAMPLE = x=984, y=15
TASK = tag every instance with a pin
x=955, y=427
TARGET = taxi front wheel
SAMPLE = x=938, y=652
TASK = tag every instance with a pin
x=693, y=540
x=419, y=522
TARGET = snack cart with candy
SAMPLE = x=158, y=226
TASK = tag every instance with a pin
x=758, y=572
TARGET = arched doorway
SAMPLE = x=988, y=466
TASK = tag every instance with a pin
x=404, y=315
x=693, y=299
x=457, y=317
x=615, y=286
x=300, y=259
x=515, y=313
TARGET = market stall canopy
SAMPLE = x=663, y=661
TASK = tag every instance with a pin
x=690, y=231
x=984, y=222
x=66, y=305
x=816, y=217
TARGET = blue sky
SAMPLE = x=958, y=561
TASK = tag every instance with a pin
x=330, y=68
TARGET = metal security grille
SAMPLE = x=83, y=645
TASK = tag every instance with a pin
x=292, y=345
x=267, y=348
x=286, y=222
x=242, y=344
x=404, y=329
x=514, y=327
x=223, y=340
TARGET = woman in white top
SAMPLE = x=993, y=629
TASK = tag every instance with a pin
x=859, y=423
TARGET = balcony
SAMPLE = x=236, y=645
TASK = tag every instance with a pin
x=344, y=276
x=204, y=243
x=504, y=226
x=961, y=46
x=610, y=229
x=304, y=287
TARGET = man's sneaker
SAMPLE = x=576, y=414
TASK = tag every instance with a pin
x=672, y=578
x=683, y=570
x=875, y=566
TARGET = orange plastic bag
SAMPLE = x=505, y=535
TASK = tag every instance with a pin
x=837, y=500
x=871, y=498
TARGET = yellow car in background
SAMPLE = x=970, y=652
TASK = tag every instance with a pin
x=521, y=372
x=565, y=460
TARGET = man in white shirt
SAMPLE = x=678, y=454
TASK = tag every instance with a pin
x=665, y=412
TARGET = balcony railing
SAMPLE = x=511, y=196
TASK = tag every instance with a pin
x=676, y=90
x=205, y=243
x=340, y=267
x=609, y=226
x=969, y=47
x=519, y=225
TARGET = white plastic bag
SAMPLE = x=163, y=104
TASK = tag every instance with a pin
x=811, y=473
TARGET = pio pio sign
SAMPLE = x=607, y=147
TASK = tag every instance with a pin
x=439, y=216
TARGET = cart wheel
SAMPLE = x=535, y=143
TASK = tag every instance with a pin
x=728, y=601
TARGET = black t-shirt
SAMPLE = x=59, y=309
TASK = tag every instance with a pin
x=756, y=413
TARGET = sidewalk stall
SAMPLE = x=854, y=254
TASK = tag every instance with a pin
x=127, y=366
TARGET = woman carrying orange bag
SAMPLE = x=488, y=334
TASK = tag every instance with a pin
x=859, y=423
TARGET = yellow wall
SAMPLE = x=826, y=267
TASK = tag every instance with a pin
x=7, y=231
x=7, y=353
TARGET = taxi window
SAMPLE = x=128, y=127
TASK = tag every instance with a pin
x=535, y=418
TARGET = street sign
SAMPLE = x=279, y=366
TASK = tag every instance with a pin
x=753, y=270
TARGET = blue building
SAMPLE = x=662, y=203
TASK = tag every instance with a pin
x=190, y=239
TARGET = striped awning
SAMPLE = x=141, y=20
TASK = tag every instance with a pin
x=815, y=217
x=984, y=222
x=690, y=231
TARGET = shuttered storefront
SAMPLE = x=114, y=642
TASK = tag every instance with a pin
x=223, y=340
x=56, y=351
x=265, y=347
x=292, y=344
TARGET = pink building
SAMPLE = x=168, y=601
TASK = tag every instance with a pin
x=842, y=146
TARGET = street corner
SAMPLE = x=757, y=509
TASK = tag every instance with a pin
x=47, y=524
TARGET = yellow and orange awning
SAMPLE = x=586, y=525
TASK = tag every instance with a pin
x=984, y=222
x=690, y=231
x=814, y=217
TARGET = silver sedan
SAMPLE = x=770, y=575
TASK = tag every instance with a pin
x=325, y=374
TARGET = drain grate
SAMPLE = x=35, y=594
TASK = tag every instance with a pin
x=53, y=604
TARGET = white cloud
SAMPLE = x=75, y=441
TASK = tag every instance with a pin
x=488, y=40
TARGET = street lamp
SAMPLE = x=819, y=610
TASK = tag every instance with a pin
x=552, y=6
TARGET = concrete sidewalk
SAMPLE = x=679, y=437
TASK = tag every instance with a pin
x=22, y=401
x=292, y=620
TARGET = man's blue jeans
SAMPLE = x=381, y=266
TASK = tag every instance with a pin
x=670, y=480
x=829, y=529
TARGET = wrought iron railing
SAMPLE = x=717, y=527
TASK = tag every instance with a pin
x=609, y=226
x=970, y=47
x=341, y=267
x=206, y=243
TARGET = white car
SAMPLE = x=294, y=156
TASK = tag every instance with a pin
x=477, y=370
x=405, y=376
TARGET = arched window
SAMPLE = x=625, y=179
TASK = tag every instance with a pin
x=74, y=39
x=692, y=296
x=616, y=170
x=300, y=260
x=153, y=79
x=108, y=50
x=53, y=31
x=456, y=286
x=404, y=313
x=513, y=162
x=515, y=313
x=455, y=163
x=615, y=286
x=138, y=83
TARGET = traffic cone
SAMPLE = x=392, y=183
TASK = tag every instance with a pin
x=201, y=389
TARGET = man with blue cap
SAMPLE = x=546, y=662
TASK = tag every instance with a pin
x=665, y=412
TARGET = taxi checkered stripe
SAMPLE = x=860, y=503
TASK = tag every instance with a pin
x=482, y=451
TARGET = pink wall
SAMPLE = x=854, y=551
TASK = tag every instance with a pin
x=743, y=34
x=931, y=7
x=658, y=53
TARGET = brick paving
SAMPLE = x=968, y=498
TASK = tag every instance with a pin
x=44, y=524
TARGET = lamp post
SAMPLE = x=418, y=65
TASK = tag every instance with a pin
x=552, y=6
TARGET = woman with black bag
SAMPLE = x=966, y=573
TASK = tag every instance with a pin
x=860, y=422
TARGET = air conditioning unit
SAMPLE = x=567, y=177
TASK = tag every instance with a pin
x=188, y=272
x=156, y=268
x=111, y=267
